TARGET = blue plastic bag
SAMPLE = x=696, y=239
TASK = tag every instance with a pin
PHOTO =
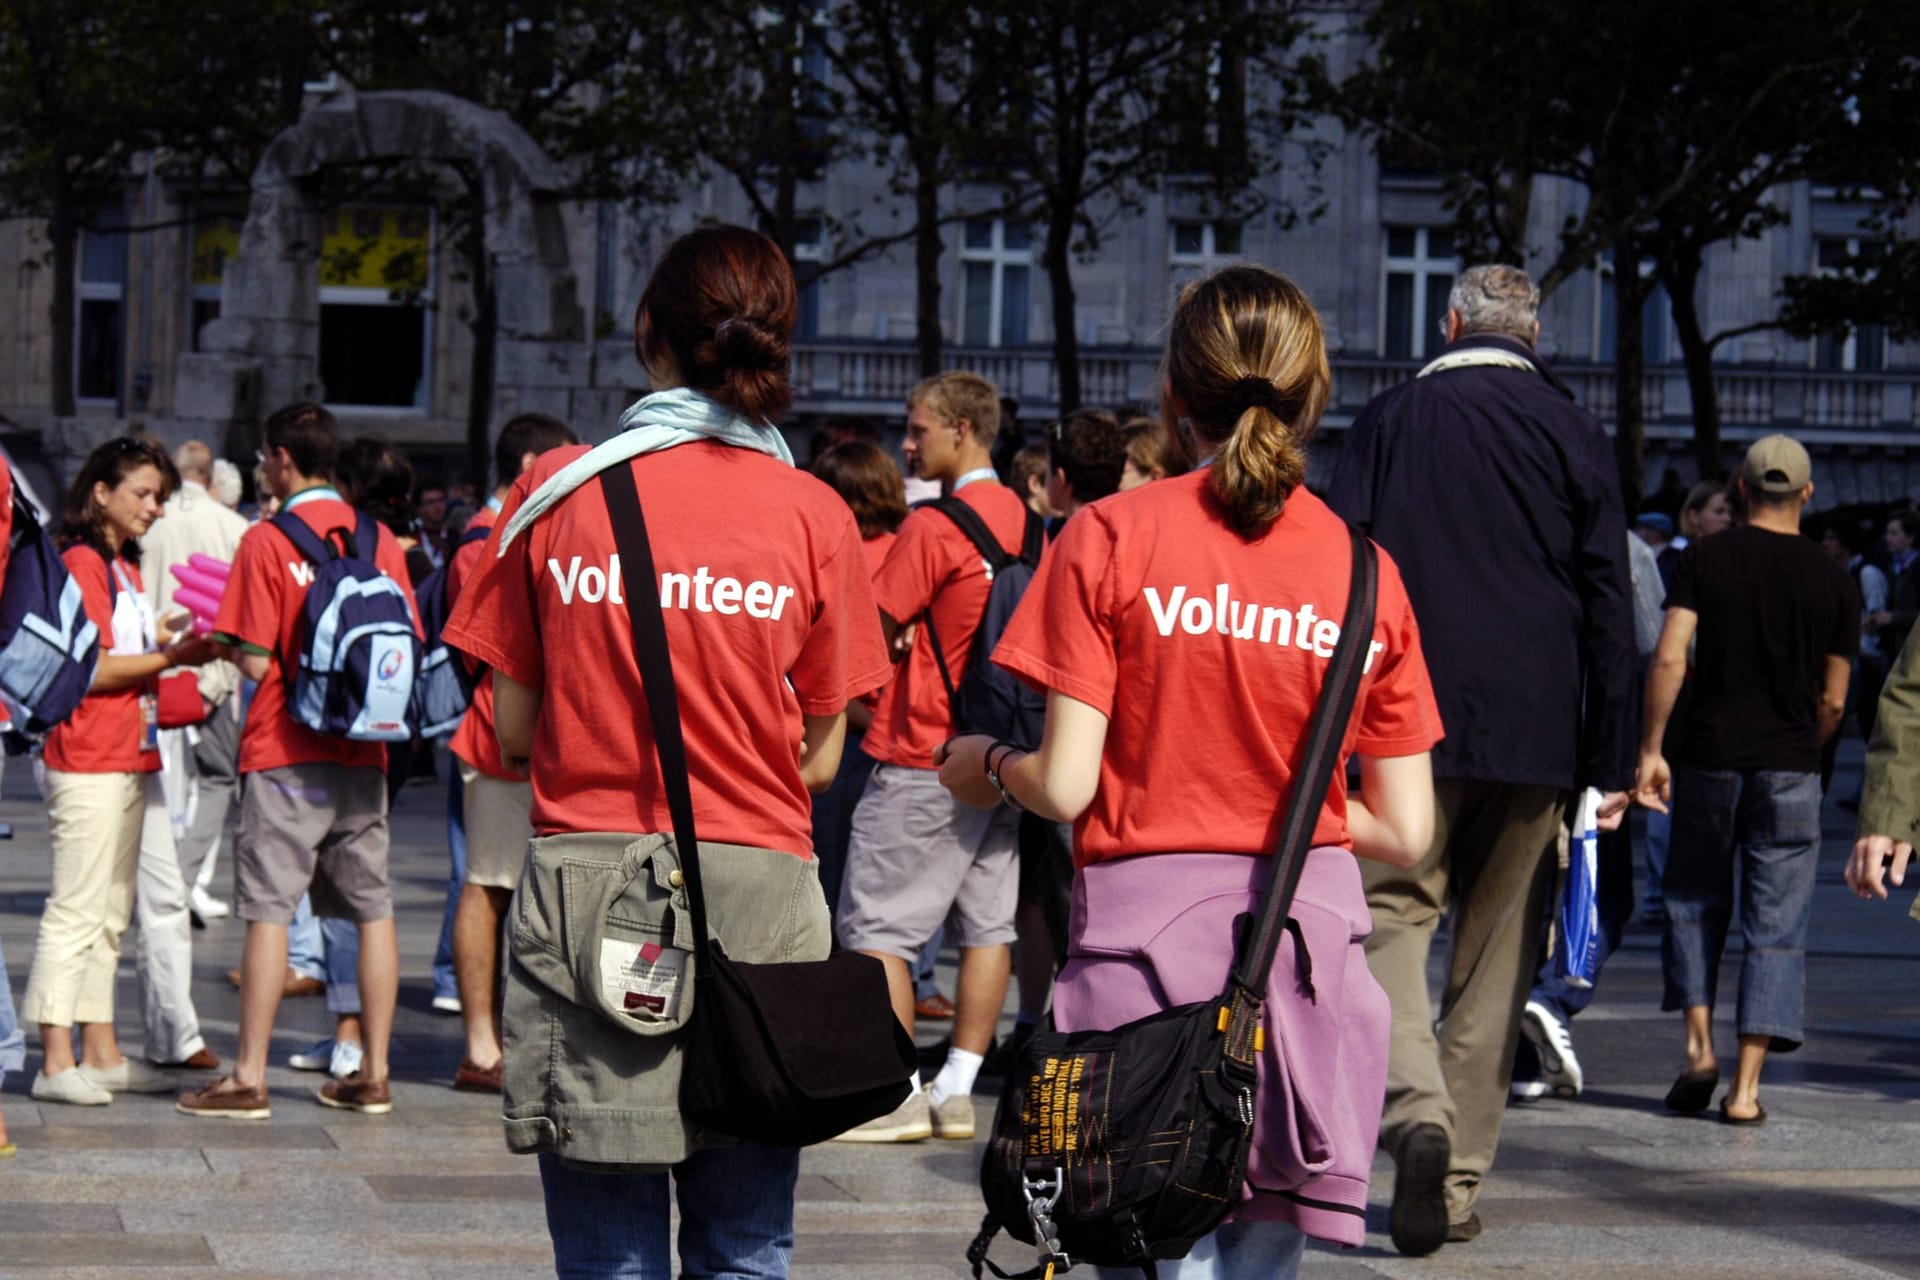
x=1577, y=950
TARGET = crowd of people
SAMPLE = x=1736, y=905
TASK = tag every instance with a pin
x=1039, y=705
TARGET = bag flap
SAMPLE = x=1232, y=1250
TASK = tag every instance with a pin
x=817, y=1016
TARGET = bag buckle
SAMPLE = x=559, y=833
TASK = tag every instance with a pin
x=1043, y=1192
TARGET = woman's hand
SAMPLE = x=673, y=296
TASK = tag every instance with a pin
x=963, y=770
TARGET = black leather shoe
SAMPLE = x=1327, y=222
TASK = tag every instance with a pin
x=1418, y=1223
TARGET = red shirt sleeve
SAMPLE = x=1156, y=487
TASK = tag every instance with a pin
x=1061, y=638
x=6, y=515
x=1399, y=716
x=915, y=567
x=250, y=607
x=844, y=654
x=495, y=620
x=96, y=590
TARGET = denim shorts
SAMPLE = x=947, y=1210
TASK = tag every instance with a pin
x=1765, y=824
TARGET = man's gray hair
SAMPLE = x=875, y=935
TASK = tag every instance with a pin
x=194, y=460
x=226, y=483
x=1496, y=298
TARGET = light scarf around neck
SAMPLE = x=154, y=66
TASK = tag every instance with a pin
x=661, y=420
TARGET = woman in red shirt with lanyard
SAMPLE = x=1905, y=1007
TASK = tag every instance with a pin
x=1182, y=632
x=97, y=767
x=772, y=631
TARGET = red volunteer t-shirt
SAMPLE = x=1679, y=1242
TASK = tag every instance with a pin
x=265, y=593
x=934, y=566
x=107, y=732
x=769, y=616
x=1207, y=654
x=876, y=548
x=475, y=741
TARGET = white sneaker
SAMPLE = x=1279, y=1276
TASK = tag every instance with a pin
x=206, y=906
x=129, y=1077
x=1528, y=1090
x=446, y=1004
x=1559, y=1064
x=345, y=1059
x=911, y=1121
x=317, y=1058
x=953, y=1118
x=68, y=1086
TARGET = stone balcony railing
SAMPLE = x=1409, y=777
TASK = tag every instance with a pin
x=865, y=378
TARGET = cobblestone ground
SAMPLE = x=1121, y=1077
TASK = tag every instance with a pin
x=1609, y=1185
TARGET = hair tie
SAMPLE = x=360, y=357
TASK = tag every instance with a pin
x=1254, y=390
x=723, y=326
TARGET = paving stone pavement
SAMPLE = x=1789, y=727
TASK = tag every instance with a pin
x=1605, y=1186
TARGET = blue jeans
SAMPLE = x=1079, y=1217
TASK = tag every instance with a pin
x=328, y=950
x=736, y=1217
x=443, y=980
x=1236, y=1251
x=1659, y=837
x=306, y=946
x=1768, y=823
x=13, y=1041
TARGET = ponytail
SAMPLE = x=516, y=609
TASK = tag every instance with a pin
x=1246, y=355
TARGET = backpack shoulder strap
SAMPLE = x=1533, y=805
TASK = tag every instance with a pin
x=301, y=535
x=366, y=536
x=976, y=530
x=1034, y=544
x=471, y=535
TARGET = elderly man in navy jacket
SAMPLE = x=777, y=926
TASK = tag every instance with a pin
x=1498, y=497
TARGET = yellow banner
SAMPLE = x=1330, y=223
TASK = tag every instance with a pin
x=214, y=241
x=374, y=248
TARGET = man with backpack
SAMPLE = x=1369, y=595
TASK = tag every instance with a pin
x=314, y=611
x=496, y=799
x=918, y=857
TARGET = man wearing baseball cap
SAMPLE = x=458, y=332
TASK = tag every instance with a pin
x=1777, y=624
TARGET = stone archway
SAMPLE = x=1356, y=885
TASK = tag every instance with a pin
x=264, y=349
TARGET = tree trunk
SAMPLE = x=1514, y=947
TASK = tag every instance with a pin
x=1629, y=375
x=1683, y=284
x=927, y=249
x=486, y=334
x=64, y=232
x=1058, y=256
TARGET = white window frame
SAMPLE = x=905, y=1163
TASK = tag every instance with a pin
x=1422, y=268
x=85, y=291
x=1850, y=345
x=361, y=296
x=997, y=255
x=1185, y=265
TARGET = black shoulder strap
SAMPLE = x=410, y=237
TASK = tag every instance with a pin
x=301, y=535
x=976, y=530
x=656, y=679
x=1324, y=734
x=1034, y=544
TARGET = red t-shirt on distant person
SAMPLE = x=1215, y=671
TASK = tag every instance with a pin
x=106, y=732
x=475, y=741
x=1207, y=725
x=933, y=566
x=266, y=592
x=769, y=616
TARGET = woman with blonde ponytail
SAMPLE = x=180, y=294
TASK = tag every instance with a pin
x=1181, y=632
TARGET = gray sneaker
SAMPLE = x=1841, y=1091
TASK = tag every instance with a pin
x=70, y=1087
x=911, y=1121
x=130, y=1076
x=954, y=1117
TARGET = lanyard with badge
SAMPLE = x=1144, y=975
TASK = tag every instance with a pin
x=312, y=495
x=979, y=473
x=134, y=632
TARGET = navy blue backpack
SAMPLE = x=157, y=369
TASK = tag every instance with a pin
x=987, y=699
x=48, y=646
x=359, y=654
x=444, y=689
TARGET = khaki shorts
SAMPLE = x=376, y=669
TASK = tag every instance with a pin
x=919, y=857
x=499, y=825
x=317, y=828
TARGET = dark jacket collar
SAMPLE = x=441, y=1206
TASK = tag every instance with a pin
x=1502, y=342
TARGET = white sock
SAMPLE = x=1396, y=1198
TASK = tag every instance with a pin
x=914, y=1080
x=956, y=1078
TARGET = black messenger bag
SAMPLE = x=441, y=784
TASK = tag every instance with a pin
x=1121, y=1147
x=788, y=1054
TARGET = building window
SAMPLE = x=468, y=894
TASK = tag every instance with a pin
x=996, y=265
x=1417, y=276
x=99, y=345
x=1863, y=348
x=213, y=241
x=376, y=307
x=1196, y=248
x=1655, y=313
x=808, y=255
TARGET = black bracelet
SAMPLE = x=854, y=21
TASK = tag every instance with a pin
x=993, y=770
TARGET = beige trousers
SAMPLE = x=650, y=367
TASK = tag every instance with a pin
x=94, y=820
x=1492, y=865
